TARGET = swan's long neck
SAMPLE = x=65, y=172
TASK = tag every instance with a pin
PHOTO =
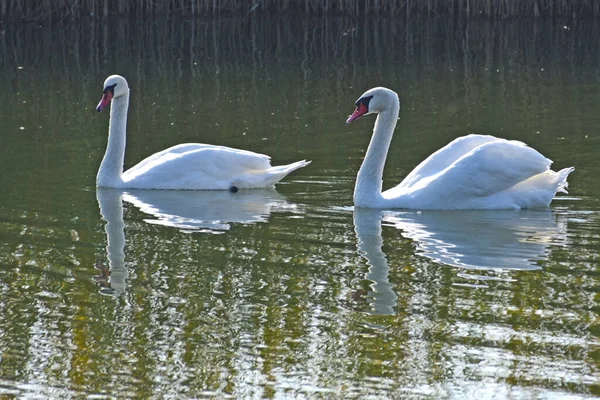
x=367, y=191
x=110, y=173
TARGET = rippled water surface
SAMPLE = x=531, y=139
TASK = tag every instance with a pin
x=291, y=292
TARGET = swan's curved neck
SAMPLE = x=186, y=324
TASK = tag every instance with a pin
x=110, y=173
x=367, y=191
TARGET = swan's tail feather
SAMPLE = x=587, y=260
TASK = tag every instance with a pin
x=275, y=174
x=268, y=178
x=288, y=168
x=539, y=190
x=562, y=179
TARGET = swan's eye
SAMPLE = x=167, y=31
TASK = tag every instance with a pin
x=364, y=101
x=107, y=94
x=110, y=89
x=362, y=108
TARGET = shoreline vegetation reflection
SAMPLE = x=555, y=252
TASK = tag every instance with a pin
x=30, y=10
x=515, y=65
x=228, y=42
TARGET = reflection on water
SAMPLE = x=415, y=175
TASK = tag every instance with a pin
x=367, y=225
x=187, y=210
x=475, y=240
x=111, y=208
x=273, y=307
x=482, y=240
x=207, y=211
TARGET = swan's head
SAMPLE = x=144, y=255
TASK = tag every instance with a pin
x=373, y=101
x=114, y=86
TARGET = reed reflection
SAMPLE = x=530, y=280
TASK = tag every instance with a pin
x=190, y=211
x=219, y=45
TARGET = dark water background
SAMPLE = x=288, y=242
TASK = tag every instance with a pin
x=292, y=293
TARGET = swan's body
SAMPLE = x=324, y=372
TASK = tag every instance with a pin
x=471, y=172
x=190, y=166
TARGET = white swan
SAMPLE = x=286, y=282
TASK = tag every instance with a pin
x=471, y=172
x=186, y=166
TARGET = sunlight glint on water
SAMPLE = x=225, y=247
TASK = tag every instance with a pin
x=292, y=292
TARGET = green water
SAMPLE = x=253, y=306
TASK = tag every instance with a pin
x=291, y=292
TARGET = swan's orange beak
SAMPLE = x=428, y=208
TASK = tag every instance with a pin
x=361, y=110
x=106, y=98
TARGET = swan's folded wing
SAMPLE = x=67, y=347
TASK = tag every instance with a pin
x=446, y=156
x=488, y=169
x=491, y=168
x=225, y=162
x=196, y=165
x=203, y=153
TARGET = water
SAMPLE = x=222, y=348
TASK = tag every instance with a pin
x=291, y=292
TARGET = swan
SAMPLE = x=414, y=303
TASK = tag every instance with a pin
x=190, y=166
x=471, y=172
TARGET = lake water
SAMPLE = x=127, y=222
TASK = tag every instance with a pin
x=291, y=292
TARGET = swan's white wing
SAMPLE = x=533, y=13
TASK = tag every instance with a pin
x=494, y=167
x=250, y=159
x=484, y=171
x=195, y=166
x=444, y=157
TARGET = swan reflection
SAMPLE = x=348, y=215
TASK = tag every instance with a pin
x=111, y=210
x=190, y=211
x=367, y=225
x=207, y=211
x=482, y=240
